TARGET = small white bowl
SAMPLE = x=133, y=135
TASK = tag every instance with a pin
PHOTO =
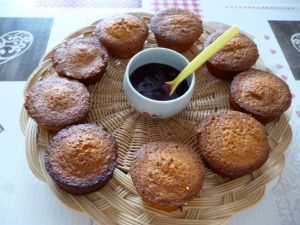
x=148, y=106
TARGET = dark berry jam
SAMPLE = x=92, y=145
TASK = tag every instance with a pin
x=149, y=80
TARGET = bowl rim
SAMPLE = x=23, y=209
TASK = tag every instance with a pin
x=170, y=51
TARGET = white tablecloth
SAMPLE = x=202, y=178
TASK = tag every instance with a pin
x=26, y=200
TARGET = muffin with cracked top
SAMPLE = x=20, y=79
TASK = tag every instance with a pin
x=262, y=94
x=123, y=34
x=83, y=59
x=167, y=174
x=176, y=28
x=57, y=102
x=81, y=158
x=232, y=143
x=238, y=55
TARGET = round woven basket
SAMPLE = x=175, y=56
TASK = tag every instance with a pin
x=118, y=202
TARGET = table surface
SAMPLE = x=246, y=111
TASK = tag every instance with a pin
x=26, y=200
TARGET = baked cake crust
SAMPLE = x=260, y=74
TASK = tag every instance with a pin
x=123, y=34
x=57, y=102
x=176, y=28
x=238, y=55
x=262, y=94
x=232, y=143
x=81, y=158
x=167, y=174
x=83, y=59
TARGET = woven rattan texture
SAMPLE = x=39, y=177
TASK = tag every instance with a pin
x=118, y=202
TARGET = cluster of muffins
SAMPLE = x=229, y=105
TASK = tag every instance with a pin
x=168, y=174
x=58, y=102
x=81, y=158
x=85, y=59
x=258, y=93
x=231, y=143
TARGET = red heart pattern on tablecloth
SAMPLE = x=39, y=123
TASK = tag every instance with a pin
x=279, y=66
x=298, y=113
x=273, y=51
x=267, y=37
x=284, y=77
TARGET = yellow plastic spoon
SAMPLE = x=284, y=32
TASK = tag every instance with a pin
x=200, y=59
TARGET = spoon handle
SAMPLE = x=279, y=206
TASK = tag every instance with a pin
x=207, y=53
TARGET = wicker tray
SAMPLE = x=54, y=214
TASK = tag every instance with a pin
x=118, y=202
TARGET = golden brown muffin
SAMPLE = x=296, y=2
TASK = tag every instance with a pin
x=83, y=59
x=167, y=174
x=232, y=143
x=176, y=28
x=238, y=55
x=123, y=35
x=264, y=95
x=55, y=103
x=81, y=158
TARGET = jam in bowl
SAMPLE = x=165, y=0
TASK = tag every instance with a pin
x=144, y=80
x=149, y=80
